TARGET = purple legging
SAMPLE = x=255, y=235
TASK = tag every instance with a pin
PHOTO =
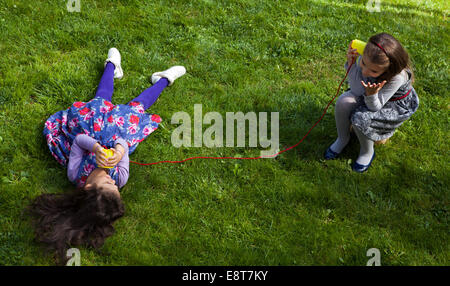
x=147, y=97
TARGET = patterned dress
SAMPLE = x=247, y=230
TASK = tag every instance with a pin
x=104, y=122
x=381, y=124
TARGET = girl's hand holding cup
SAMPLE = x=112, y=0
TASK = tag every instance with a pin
x=118, y=153
x=108, y=158
x=352, y=54
x=100, y=155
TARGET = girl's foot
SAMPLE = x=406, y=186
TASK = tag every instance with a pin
x=339, y=144
x=366, y=152
x=360, y=168
x=336, y=148
x=115, y=59
x=171, y=74
x=330, y=154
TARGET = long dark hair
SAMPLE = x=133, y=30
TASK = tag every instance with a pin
x=393, y=53
x=77, y=217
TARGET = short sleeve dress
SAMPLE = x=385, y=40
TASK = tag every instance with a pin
x=104, y=122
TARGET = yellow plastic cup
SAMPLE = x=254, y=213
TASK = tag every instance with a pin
x=109, y=153
x=359, y=46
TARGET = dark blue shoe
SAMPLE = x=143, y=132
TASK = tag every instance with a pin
x=362, y=168
x=330, y=154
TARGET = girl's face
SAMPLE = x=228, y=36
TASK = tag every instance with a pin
x=370, y=69
x=102, y=181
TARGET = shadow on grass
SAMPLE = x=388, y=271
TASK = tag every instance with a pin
x=297, y=121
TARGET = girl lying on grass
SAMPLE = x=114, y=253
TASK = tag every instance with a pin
x=380, y=98
x=76, y=138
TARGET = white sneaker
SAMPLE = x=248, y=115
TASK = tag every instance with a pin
x=114, y=57
x=171, y=74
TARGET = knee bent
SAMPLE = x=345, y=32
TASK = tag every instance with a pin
x=346, y=102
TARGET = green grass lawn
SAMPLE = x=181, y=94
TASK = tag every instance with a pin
x=249, y=56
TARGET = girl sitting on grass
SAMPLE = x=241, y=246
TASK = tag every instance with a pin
x=380, y=98
x=75, y=137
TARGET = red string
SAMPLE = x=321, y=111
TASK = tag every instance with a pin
x=260, y=157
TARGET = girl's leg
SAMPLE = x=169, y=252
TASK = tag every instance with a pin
x=151, y=94
x=366, y=151
x=344, y=106
x=106, y=86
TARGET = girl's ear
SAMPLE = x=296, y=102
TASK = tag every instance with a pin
x=87, y=186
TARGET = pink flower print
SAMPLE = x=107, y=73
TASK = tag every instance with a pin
x=88, y=168
x=134, y=141
x=132, y=129
x=156, y=118
x=82, y=181
x=67, y=145
x=98, y=125
x=49, y=138
x=115, y=137
x=90, y=115
x=111, y=119
x=134, y=119
x=109, y=104
x=73, y=123
x=104, y=109
x=139, y=108
x=79, y=104
x=120, y=121
x=55, y=141
x=85, y=111
x=64, y=119
x=147, y=131
x=55, y=132
x=50, y=125
x=135, y=103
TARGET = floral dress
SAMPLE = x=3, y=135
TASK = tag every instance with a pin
x=104, y=122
